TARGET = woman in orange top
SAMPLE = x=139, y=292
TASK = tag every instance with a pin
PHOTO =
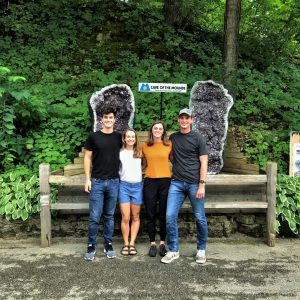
x=156, y=152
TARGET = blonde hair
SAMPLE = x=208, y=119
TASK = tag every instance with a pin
x=164, y=137
x=137, y=152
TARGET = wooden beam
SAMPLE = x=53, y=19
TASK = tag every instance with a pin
x=239, y=205
x=67, y=206
x=45, y=214
x=220, y=179
x=271, y=197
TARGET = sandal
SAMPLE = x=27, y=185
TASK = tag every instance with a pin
x=125, y=250
x=132, y=250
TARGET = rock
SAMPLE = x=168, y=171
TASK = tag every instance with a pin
x=118, y=96
x=210, y=104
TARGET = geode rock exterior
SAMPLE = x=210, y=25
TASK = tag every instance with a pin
x=118, y=96
x=210, y=104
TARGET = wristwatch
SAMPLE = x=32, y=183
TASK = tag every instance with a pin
x=202, y=181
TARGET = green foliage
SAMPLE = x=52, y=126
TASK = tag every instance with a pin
x=69, y=49
x=56, y=143
x=8, y=138
x=288, y=202
x=269, y=31
x=19, y=194
x=262, y=144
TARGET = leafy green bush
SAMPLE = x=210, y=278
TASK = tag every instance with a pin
x=288, y=202
x=8, y=138
x=19, y=194
x=262, y=144
x=57, y=142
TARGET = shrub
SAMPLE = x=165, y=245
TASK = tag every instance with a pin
x=288, y=202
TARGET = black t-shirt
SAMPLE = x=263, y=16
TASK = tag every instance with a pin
x=186, y=151
x=106, y=148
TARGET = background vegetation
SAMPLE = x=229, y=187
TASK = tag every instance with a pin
x=55, y=54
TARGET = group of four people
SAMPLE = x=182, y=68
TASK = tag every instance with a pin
x=113, y=165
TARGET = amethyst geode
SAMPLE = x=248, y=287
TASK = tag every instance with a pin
x=118, y=96
x=210, y=104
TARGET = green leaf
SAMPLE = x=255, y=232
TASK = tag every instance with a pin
x=21, y=203
x=24, y=214
x=9, y=126
x=8, y=208
x=2, y=91
x=15, y=215
x=4, y=70
x=12, y=176
x=6, y=199
x=16, y=78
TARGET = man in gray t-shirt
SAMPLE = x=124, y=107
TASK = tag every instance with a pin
x=190, y=161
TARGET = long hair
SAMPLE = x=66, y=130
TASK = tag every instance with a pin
x=137, y=152
x=164, y=137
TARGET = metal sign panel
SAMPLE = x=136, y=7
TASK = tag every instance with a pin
x=145, y=87
x=295, y=153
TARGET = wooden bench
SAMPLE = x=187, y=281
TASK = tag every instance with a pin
x=225, y=193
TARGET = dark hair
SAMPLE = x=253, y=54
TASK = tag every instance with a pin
x=164, y=137
x=108, y=110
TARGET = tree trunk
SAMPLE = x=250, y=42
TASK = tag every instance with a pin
x=172, y=10
x=231, y=33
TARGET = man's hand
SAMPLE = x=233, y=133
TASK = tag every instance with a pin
x=87, y=186
x=201, y=191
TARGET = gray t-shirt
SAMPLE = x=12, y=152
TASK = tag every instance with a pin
x=186, y=151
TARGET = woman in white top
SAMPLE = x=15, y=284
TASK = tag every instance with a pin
x=130, y=190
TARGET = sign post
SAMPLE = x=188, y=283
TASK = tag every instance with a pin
x=162, y=88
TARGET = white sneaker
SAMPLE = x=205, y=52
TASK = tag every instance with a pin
x=200, y=257
x=169, y=257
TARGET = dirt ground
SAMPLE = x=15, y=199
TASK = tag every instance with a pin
x=236, y=268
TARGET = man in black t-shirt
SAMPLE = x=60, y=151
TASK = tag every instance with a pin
x=102, y=150
x=190, y=161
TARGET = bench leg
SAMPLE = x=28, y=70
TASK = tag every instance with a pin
x=271, y=197
x=45, y=214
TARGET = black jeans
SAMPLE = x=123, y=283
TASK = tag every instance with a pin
x=156, y=191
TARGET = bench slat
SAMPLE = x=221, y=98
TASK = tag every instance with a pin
x=220, y=179
x=208, y=205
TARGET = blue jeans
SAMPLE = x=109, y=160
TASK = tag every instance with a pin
x=103, y=199
x=177, y=192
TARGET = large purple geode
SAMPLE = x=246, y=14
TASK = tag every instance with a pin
x=118, y=96
x=210, y=104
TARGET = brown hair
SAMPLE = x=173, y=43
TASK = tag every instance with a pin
x=164, y=137
x=137, y=152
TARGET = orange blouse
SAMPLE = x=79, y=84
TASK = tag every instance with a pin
x=157, y=157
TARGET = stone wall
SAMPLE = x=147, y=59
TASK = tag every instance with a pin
x=76, y=225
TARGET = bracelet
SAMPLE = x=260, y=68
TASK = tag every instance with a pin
x=202, y=181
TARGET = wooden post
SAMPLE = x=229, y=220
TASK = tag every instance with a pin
x=45, y=214
x=271, y=197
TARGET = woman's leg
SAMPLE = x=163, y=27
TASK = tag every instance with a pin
x=150, y=192
x=135, y=222
x=125, y=211
x=164, y=184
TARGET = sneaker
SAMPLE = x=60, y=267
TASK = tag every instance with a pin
x=90, y=252
x=169, y=257
x=162, y=250
x=152, y=251
x=200, y=257
x=109, y=250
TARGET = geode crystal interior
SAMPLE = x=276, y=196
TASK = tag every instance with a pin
x=210, y=104
x=118, y=96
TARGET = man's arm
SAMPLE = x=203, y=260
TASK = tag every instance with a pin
x=87, y=169
x=203, y=172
